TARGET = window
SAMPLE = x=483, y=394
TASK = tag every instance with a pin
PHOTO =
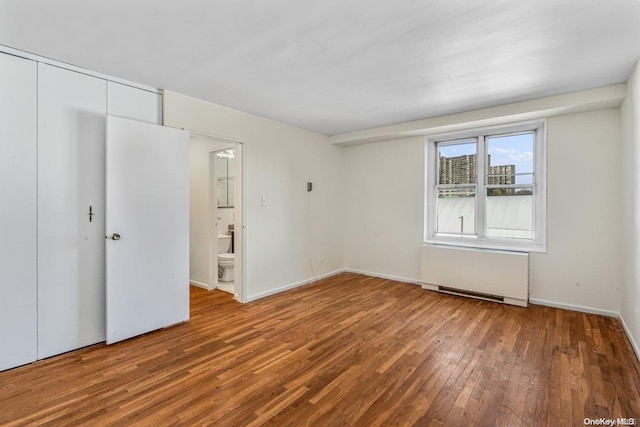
x=486, y=188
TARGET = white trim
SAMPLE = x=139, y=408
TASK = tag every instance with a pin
x=574, y=307
x=633, y=342
x=482, y=172
x=213, y=227
x=475, y=244
x=71, y=67
x=241, y=296
x=214, y=230
x=229, y=140
x=515, y=301
x=199, y=284
x=293, y=285
x=538, y=243
x=385, y=276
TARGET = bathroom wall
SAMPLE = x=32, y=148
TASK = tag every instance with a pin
x=295, y=236
x=199, y=219
x=225, y=217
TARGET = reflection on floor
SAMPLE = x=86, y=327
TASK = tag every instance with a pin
x=226, y=286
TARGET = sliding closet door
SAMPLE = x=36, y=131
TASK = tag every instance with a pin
x=71, y=210
x=18, y=97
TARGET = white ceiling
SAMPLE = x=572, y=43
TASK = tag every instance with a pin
x=336, y=66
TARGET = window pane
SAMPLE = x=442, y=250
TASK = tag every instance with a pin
x=510, y=159
x=457, y=162
x=456, y=211
x=510, y=213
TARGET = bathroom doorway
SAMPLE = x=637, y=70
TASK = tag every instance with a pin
x=222, y=166
x=216, y=177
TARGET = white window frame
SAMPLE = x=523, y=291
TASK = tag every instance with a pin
x=538, y=242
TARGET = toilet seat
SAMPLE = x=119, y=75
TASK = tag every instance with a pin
x=226, y=259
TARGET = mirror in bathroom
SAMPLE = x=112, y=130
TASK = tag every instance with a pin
x=225, y=166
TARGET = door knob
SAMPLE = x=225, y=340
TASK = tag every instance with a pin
x=115, y=236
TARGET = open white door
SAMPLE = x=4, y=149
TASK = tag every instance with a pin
x=147, y=228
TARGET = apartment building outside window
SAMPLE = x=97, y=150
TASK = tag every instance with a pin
x=486, y=188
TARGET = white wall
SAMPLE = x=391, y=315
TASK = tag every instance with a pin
x=384, y=214
x=225, y=218
x=299, y=235
x=630, y=306
x=384, y=211
x=582, y=264
x=366, y=210
x=199, y=197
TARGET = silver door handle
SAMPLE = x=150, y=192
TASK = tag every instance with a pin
x=115, y=236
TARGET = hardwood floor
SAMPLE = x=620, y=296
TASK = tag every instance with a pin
x=349, y=350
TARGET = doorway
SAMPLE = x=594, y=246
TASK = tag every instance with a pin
x=222, y=202
x=216, y=183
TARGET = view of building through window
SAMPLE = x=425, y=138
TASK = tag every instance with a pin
x=506, y=184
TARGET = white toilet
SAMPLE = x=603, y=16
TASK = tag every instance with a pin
x=225, y=258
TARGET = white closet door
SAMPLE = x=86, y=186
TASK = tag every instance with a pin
x=132, y=103
x=148, y=226
x=18, y=97
x=71, y=185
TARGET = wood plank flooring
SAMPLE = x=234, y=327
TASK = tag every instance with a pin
x=348, y=350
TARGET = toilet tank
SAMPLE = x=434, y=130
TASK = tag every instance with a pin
x=224, y=243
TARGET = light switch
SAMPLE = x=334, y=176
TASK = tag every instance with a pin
x=263, y=201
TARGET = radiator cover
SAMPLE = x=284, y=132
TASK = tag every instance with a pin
x=487, y=274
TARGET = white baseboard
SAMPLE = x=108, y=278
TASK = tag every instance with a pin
x=384, y=276
x=292, y=286
x=574, y=307
x=200, y=285
x=633, y=342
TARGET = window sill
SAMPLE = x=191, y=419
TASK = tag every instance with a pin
x=487, y=245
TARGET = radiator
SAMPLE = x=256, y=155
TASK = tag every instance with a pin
x=493, y=275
